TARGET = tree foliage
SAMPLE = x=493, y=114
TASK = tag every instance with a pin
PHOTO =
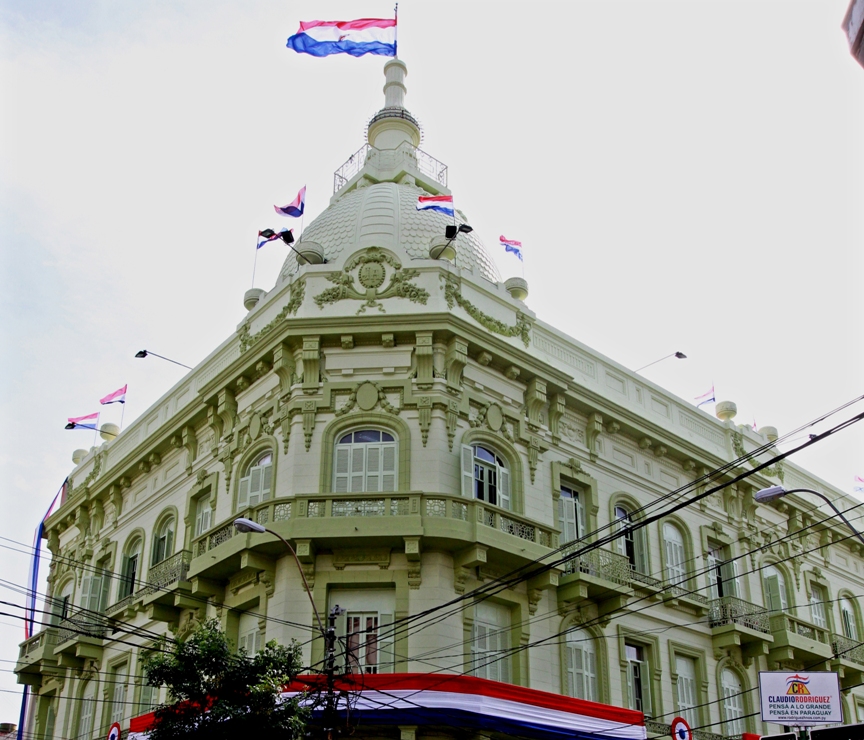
x=215, y=693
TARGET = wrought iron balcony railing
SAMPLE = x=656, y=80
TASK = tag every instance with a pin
x=847, y=649
x=732, y=610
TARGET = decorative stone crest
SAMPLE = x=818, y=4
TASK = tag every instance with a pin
x=371, y=271
x=453, y=295
x=367, y=395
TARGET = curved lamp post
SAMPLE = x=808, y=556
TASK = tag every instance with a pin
x=775, y=492
x=247, y=525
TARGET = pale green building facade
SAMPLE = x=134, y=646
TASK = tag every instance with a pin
x=418, y=433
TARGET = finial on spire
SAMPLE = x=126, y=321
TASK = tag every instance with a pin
x=395, y=71
x=393, y=125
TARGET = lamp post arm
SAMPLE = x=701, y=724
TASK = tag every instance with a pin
x=831, y=504
x=302, y=575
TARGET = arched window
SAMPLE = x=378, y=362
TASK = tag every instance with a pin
x=733, y=703
x=632, y=544
x=86, y=710
x=571, y=515
x=365, y=462
x=163, y=541
x=848, y=619
x=676, y=558
x=485, y=476
x=256, y=482
x=774, y=585
x=131, y=569
x=580, y=665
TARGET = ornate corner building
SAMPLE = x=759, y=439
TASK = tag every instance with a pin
x=465, y=481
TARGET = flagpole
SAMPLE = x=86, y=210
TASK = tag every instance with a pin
x=396, y=31
x=122, y=414
x=255, y=262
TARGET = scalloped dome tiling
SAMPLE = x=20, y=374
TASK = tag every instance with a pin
x=385, y=215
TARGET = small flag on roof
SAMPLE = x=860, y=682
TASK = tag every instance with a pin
x=440, y=203
x=363, y=36
x=706, y=398
x=118, y=396
x=268, y=235
x=91, y=421
x=295, y=207
x=512, y=246
x=859, y=484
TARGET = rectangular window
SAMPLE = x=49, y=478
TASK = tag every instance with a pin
x=365, y=467
x=490, y=643
x=638, y=693
x=250, y=636
x=570, y=515
x=364, y=630
x=722, y=573
x=685, y=667
x=817, y=606
x=118, y=693
x=148, y=696
x=202, y=515
x=86, y=711
x=130, y=575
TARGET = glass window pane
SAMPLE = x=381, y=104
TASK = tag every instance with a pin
x=346, y=440
x=481, y=453
x=367, y=435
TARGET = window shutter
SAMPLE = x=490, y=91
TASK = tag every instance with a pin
x=578, y=671
x=341, y=640
x=570, y=658
x=266, y=482
x=255, y=480
x=675, y=571
x=468, y=471
x=713, y=576
x=388, y=467
x=85, y=592
x=205, y=517
x=568, y=518
x=340, y=482
x=169, y=539
x=358, y=474
x=590, y=660
x=243, y=494
x=118, y=702
x=259, y=641
x=105, y=591
x=728, y=578
x=373, y=468
x=386, y=657
x=773, y=593
x=503, y=488
x=580, y=515
x=95, y=594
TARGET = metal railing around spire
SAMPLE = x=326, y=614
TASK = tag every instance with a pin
x=387, y=159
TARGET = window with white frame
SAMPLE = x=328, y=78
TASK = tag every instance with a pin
x=255, y=485
x=365, y=461
x=364, y=629
x=130, y=573
x=733, y=703
x=485, y=476
x=676, y=554
x=848, y=619
x=118, y=693
x=638, y=678
x=163, y=541
x=818, y=615
x=774, y=586
x=571, y=515
x=685, y=668
x=96, y=588
x=250, y=636
x=632, y=544
x=62, y=603
x=722, y=573
x=86, y=710
x=203, y=512
x=148, y=696
x=580, y=665
x=490, y=642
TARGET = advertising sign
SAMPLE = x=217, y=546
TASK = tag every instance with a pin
x=800, y=698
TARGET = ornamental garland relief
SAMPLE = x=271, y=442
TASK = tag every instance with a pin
x=371, y=268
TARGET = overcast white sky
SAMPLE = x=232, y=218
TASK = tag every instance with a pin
x=683, y=175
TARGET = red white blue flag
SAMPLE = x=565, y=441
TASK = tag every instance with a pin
x=512, y=246
x=91, y=421
x=296, y=207
x=440, y=203
x=268, y=235
x=363, y=36
x=706, y=398
x=859, y=484
x=118, y=396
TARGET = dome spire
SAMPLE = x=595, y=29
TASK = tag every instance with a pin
x=393, y=125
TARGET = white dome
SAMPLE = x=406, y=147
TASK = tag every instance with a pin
x=385, y=215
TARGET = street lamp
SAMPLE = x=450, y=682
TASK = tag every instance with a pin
x=775, y=492
x=141, y=354
x=247, y=525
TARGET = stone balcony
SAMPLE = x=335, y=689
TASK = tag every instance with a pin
x=162, y=595
x=331, y=521
x=735, y=622
x=848, y=660
x=601, y=576
x=36, y=657
x=80, y=636
x=796, y=639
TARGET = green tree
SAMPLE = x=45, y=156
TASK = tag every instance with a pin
x=215, y=693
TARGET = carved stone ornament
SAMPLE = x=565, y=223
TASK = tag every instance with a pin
x=453, y=295
x=371, y=268
x=775, y=471
x=298, y=291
